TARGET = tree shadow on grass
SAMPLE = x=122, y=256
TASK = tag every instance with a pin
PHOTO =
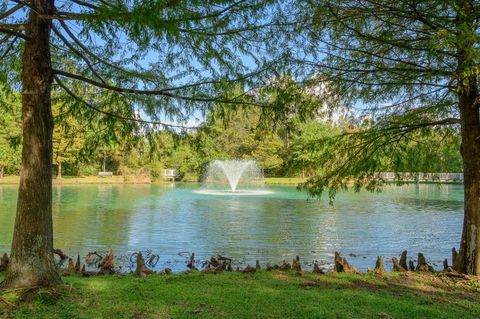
x=263, y=295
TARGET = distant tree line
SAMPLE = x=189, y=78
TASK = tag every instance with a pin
x=295, y=145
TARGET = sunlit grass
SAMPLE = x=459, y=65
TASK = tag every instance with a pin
x=11, y=179
x=71, y=180
x=259, y=295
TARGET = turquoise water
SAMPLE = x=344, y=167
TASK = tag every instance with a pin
x=174, y=221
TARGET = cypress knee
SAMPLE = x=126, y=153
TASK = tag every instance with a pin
x=379, y=269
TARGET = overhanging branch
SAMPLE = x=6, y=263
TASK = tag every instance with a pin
x=85, y=4
x=9, y=48
x=11, y=11
x=160, y=92
x=7, y=30
x=78, y=53
x=110, y=114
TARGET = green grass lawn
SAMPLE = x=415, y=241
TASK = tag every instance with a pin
x=11, y=179
x=74, y=180
x=260, y=295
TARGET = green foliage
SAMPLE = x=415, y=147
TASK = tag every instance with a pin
x=10, y=135
x=307, y=146
x=68, y=137
x=240, y=136
x=166, y=59
x=295, y=146
x=356, y=157
x=398, y=64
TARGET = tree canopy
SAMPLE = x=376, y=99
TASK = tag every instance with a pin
x=140, y=62
x=411, y=67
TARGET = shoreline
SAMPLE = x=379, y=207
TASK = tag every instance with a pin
x=87, y=180
x=118, y=179
x=125, y=262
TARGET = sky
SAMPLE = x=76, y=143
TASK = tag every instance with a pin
x=151, y=57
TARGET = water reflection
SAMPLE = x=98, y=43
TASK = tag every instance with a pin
x=171, y=220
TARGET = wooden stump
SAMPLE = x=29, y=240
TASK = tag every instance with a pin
x=78, y=267
x=270, y=267
x=411, y=266
x=218, y=269
x=296, y=265
x=316, y=268
x=445, y=264
x=422, y=264
x=257, y=265
x=107, y=265
x=142, y=270
x=403, y=260
x=4, y=260
x=191, y=262
x=285, y=266
x=342, y=265
x=214, y=262
x=249, y=270
x=70, y=268
x=397, y=266
x=338, y=265
x=379, y=269
x=454, y=255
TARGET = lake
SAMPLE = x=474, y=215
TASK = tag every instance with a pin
x=174, y=220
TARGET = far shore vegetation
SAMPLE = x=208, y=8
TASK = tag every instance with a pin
x=76, y=180
x=285, y=152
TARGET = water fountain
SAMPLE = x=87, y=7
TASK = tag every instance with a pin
x=233, y=177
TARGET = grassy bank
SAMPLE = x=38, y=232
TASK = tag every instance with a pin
x=7, y=180
x=259, y=295
x=77, y=180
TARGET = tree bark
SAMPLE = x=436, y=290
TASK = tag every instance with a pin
x=59, y=172
x=32, y=262
x=104, y=164
x=468, y=259
x=2, y=170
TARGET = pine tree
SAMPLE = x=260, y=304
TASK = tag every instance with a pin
x=412, y=66
x=166, y=58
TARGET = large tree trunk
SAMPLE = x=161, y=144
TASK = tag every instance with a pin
x=468, y=259
x=32, y=262
x=104, y=163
